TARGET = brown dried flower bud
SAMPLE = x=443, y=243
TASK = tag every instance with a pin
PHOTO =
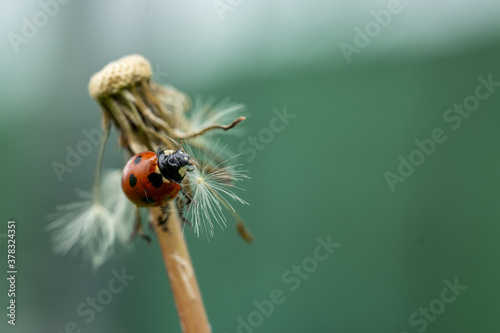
x=146, y=114
x=119, y=74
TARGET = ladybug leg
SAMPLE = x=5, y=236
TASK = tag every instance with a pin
x=185, y=190
x=138, y=228
x=162, y=222
x=181, y=205
x=184, y=201
x=189, y=200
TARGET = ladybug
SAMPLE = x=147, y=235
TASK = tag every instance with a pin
x=151, y=179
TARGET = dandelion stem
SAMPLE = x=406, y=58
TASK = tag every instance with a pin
x=96, y=190
x=192, y=315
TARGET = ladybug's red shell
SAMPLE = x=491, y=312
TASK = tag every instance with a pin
x=143, y=183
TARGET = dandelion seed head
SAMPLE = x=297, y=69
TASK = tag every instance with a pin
x=93, y=228
x=211, y=188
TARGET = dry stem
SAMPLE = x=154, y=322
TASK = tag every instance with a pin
x=180, y=271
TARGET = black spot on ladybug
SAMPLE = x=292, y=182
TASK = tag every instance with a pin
x=147, y=200
x=137, y=159
x=156, y=179
x=132, y=180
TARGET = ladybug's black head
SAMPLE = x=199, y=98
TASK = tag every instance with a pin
x=173, y=164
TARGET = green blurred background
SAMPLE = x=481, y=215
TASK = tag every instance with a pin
x=321, y=176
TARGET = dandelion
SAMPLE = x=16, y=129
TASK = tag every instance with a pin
x=147, y=117
x=94, y=227
x=211, y=188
